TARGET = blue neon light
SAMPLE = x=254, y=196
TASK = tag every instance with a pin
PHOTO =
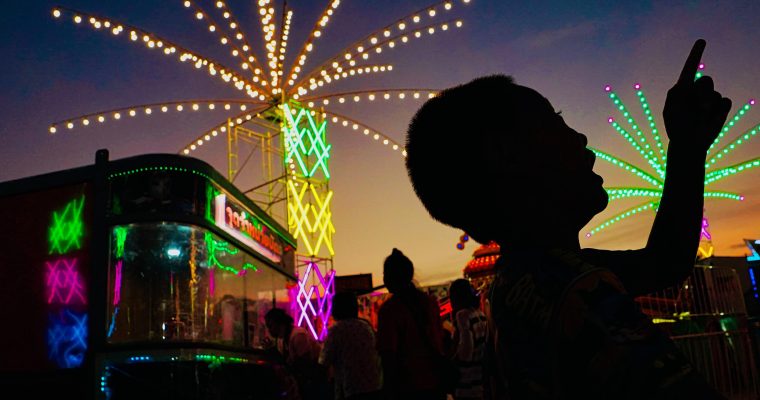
x=140, y=358
x=67, y=339
x=754, y=282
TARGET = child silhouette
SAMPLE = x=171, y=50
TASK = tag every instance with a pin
x=564, y=319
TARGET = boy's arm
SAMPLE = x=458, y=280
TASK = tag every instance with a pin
x=694, y=115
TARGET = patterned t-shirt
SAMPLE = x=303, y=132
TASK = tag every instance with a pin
x=350, y=350
x=566, y=329
x=471, y=335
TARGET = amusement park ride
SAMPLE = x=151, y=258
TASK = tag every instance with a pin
x=280, y=121
x=153, y=274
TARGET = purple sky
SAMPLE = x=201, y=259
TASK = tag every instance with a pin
x=54, y=69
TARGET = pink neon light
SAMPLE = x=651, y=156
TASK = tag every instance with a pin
x=607, y=88
x=303, y=301
x=610, y=120
x=752, y=102
x=637, y=86
x=117, y=284
x=741, y=198
x=701, y=66
x=64, y=282
x=705, y=234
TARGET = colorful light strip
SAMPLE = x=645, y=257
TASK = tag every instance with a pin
x=730, y=124
x=212, y=247
x=754, y=282
x=627, y=167
x=633, y=142
x=309, y=217
x=304, y=143
x=117, y=283
x=652, y=125
x=658, y=161
x=303, y=305
x=652, y=205
x=120, y=236
x=743, y=138
x=705, y=233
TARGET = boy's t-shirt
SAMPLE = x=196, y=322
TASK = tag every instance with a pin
x=567, y=329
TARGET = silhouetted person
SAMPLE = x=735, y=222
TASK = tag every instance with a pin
x=300, y=352
x=409, y=335
x=350, y=351
x=566, y=324
x=469, y=339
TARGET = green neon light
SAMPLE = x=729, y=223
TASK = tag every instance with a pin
x=638, y=148
x=306, y=143
x=67, y=228
x=653, y=126
x=216, y=361
x=628, y=192
x=213, y=246
x=730, y=124
x=627, y=167
x=652, y=205
x=743, y=138
x=150, y=169
x=646, y=151
x=211, y=194
x=120, y=235
x=731, y=170
x=637, y=142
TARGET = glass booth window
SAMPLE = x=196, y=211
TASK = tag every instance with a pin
x=176, y=282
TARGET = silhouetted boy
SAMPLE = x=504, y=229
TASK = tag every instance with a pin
x=495, y=159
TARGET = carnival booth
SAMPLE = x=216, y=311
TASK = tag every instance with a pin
x=146, y=276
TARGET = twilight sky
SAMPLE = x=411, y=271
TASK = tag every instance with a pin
x=54, y=69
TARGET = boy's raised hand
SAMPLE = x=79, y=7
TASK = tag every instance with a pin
x=694, y=112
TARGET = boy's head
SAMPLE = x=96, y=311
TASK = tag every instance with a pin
x=398, y=271
x=495, y=159
x=462, y=295
x=278, y=322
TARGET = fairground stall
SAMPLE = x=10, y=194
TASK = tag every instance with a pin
x=145, y=277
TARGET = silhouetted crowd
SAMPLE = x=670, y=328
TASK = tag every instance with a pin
x=410, y=356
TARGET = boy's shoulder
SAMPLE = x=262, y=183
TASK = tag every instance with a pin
x=536, y=288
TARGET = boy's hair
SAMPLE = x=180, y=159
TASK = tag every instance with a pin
x=278, y=316
x=449, y=157
x=462, y=293
x=398, y=268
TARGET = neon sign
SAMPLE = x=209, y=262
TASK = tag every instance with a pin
x=65, y=287
x=64, y=283
x=67, y=228
x=67, y=339
x=245, y=227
